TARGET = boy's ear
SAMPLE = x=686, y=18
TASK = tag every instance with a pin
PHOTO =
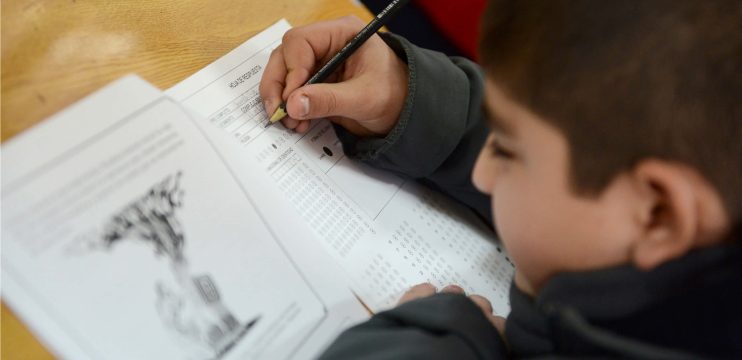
x=669, y=217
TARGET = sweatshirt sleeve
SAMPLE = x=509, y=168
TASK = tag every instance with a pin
x=442, y=326
x=440, y=130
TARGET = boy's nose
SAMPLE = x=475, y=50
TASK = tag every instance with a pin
x=483, y=175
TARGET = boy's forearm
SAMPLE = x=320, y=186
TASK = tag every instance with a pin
x=441, y=128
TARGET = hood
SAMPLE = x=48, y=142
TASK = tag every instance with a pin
x=686, y=308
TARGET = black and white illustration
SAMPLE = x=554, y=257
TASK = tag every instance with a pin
x=193, y=309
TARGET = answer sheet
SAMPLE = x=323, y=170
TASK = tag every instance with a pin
x=126, y=236
x=386, y=233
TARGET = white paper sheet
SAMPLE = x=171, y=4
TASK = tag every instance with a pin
x=386, y=233
x=126, y=236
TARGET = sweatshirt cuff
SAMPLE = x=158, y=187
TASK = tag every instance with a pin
x=451, y=314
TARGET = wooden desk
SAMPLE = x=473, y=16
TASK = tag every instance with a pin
x=56, y=52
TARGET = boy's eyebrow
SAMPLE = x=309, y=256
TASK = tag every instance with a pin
x=495, y=123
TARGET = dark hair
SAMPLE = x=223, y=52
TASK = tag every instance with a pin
x=627, y=80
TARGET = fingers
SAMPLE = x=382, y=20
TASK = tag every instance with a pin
x=346, y=99
x=453, y=289
x=353, y=97
x=427, y=289
x=273, y=81
x=299, y=60
x=290, y=123
x=303, y=126
x=310, y=44
x=300, y=126
x=482, y=303
x=302, y=50
x=417, y=292
x=498, y=322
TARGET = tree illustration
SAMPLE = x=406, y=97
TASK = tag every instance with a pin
x=195, y=311
x=152, y=219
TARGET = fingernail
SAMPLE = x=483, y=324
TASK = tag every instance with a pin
x=267, y=105
x=304, y=100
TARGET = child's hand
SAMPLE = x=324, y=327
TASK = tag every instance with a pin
x=365, y=95
x=427, y=289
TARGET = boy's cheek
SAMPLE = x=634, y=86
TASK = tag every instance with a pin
x=508, y=226
x=532, y=263
x=523, y=232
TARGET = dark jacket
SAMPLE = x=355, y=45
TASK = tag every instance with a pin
x=687, y=308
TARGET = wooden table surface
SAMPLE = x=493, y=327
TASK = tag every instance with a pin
x=56, y=52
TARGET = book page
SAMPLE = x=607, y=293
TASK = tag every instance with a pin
x=125, y=236
x=386, y=233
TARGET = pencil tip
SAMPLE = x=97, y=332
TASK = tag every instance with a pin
x=278, y=115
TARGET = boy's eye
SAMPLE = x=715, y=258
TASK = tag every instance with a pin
x=499, y=151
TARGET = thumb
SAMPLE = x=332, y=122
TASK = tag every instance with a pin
x=325, y=100
x=498, y=322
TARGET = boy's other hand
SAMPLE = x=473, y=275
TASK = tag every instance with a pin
x=365, y=95
x=427, y=289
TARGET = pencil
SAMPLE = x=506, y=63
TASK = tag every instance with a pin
x=380, y=20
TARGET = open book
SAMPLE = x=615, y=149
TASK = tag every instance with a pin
x=138, y=224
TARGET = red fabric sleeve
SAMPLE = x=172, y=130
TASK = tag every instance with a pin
x=457, y=20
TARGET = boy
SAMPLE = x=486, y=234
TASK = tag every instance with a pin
x=612, y=162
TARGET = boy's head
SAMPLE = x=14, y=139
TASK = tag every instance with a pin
x=617, y=131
